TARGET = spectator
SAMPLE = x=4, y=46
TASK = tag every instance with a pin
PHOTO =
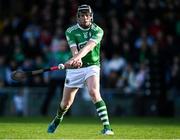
x=175, y=77
x=18, y=101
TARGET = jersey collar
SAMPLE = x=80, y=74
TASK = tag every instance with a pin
x=82, y=28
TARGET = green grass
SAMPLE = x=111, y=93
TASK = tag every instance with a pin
x=89, y=128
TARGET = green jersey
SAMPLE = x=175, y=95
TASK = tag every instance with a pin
x=77, y=36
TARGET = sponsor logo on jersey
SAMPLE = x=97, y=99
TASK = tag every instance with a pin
x=77, y=35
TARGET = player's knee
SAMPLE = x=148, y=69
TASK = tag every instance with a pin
x=95, y=95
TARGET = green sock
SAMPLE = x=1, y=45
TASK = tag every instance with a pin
x=102, y=113
x=60, y=113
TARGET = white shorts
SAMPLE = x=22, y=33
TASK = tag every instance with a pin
x=77, y=77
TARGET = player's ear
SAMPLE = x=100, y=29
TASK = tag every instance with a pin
x=91, y=17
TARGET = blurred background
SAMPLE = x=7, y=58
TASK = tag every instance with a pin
x=140, y=56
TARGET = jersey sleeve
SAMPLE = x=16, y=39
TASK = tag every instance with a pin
x=97, y=34
x=70, y=39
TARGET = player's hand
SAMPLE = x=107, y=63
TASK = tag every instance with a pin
x=77, y=63
x=68, y=64
x=72, y=63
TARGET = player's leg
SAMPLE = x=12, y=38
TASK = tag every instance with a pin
x=93, y=87
x=66, y=102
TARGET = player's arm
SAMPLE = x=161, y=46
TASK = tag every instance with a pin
x=93, y=41
x=73, y=47
x=75, y=61
x=84, y=51
x=74, y=52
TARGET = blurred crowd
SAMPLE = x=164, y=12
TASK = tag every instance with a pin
x=140, y=49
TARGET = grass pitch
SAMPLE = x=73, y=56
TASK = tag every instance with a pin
x=89, y=128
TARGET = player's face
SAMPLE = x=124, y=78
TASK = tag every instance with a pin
x=85, y=19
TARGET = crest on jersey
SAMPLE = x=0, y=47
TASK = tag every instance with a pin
x=85, y=34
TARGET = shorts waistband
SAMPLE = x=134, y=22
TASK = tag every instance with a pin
x=87, y=65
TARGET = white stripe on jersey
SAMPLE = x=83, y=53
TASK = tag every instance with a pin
x=70, y=29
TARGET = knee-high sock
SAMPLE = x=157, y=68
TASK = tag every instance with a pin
x=102, y=113
x=60, y=113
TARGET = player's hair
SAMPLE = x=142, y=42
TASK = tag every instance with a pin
x=84, y=8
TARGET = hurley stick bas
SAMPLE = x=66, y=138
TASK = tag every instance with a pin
x=19, y=75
